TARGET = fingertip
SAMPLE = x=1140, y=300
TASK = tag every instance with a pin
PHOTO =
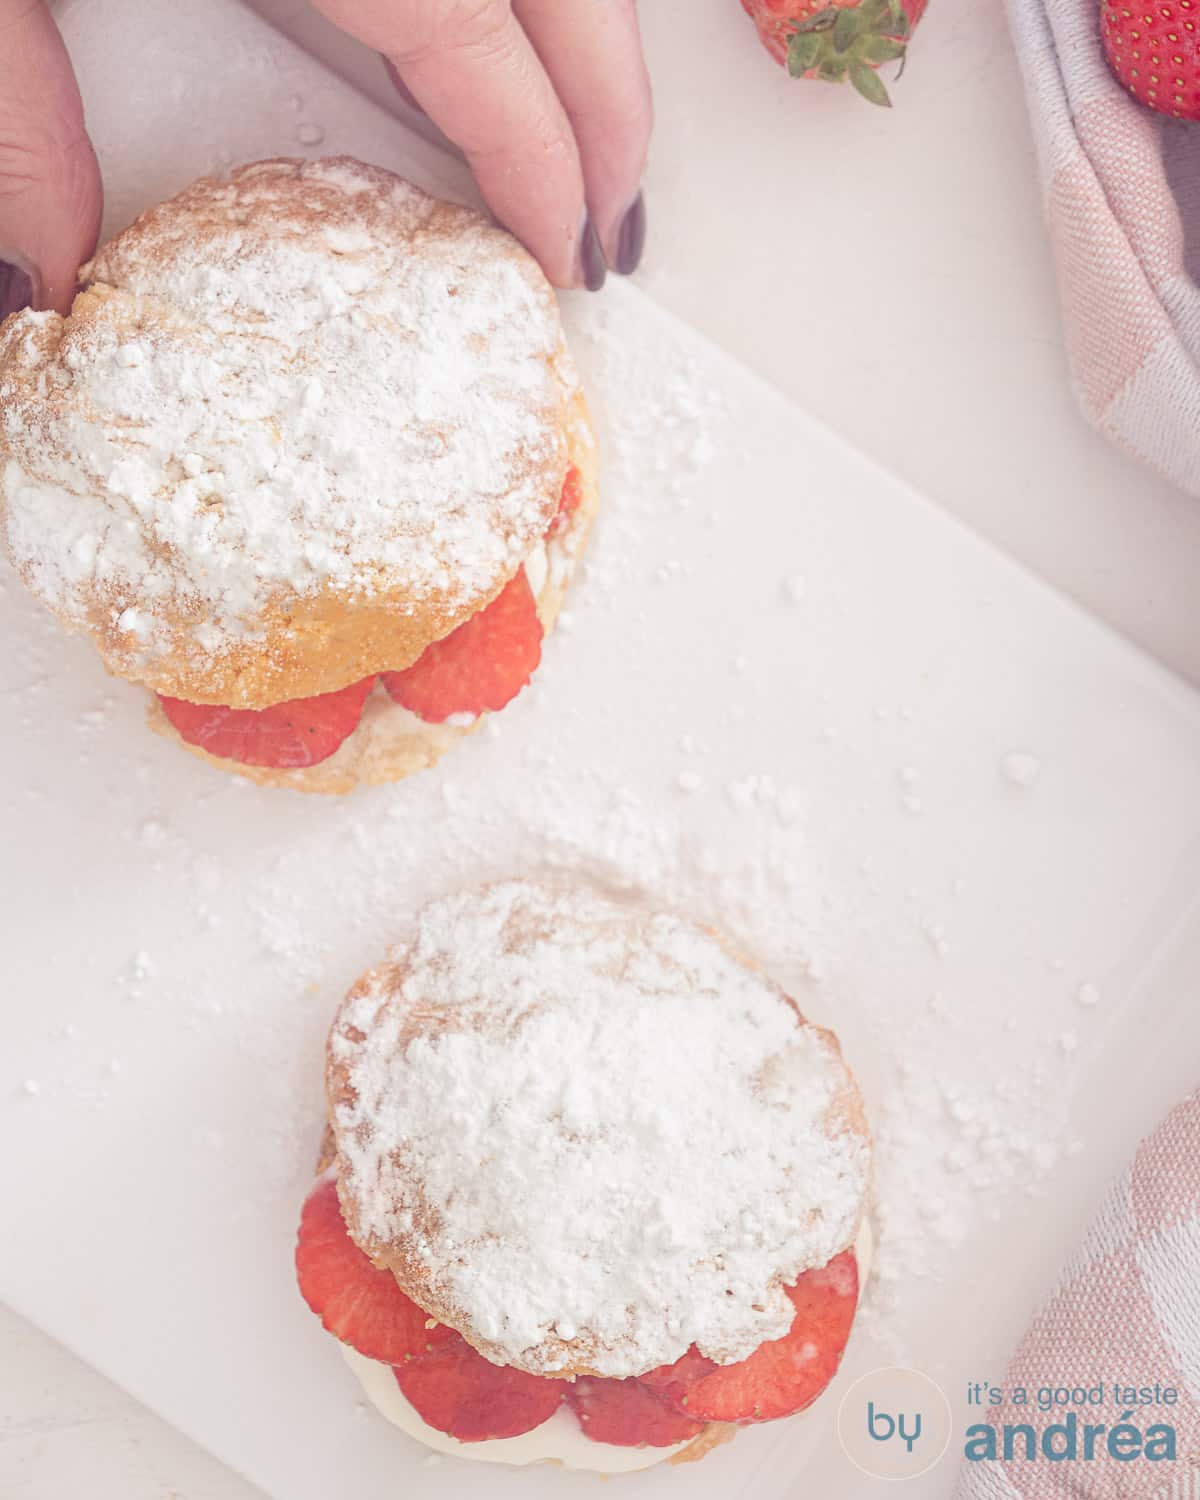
x=534, y=187
x=57, y=227
x=50, y=195
x=83, y=194
x=593, y=55
x=481, y=83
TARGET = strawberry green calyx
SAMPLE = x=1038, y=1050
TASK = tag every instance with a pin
x=844, y=41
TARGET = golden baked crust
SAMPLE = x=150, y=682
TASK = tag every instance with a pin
x=390, y=743
x=299, y=424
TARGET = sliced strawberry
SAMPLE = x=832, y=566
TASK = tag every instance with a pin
x=568, y=503
x=482, y=665
x=629, y=1413
x=357, y=1302
x=780, y=1377
x=459, y=1392
x=286, y=736
x=671, y=1383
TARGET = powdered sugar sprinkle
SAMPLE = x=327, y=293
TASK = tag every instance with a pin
x=605, y=1137
x=308, y=379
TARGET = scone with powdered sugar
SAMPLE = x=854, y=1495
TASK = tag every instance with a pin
x=592, y=1190
x=309, y=459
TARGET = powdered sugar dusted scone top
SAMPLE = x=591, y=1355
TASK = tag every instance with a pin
x=587, y=1137
x=299, y=424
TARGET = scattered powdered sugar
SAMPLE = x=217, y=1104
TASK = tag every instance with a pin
x=795, y=588
x=310, y=378
x=1020, y=768
x=258, y=908
x=948, y=1151
x=596, y=1130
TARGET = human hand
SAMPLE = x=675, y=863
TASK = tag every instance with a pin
x=49, y=181
x=548, y=99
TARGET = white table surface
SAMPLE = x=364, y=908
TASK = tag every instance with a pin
x=947, y=365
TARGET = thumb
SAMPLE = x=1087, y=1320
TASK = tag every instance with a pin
x=49, y=181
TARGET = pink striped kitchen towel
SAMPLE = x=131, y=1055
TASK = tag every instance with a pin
x=1127, y=1308
x=1122, y=189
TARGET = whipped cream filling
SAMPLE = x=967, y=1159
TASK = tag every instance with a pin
x=549, y=565
x=559, y=1439
x=537, y=569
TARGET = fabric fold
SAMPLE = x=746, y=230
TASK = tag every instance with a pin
x=1125, y=225
x=1126, y=1308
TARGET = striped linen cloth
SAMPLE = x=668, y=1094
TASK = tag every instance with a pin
x=1122, y=190
x=1127, y=1307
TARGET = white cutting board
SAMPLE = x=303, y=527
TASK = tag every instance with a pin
x=176, y=941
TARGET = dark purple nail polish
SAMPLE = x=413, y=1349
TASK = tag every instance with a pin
x=631, y=238
x=16, y=289
x=591, y=258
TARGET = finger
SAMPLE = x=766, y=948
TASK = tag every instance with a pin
x=49, y=181
x=474, y=72
x=592, y=51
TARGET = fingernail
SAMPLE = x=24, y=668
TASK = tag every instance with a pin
x=591, y=257
x=631, y=238
x=16, y=288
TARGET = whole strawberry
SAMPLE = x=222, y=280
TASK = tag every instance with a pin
x=1154, y=49
x=837, y=39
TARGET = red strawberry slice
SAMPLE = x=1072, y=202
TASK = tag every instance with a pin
x=568, y=503
x=671, y=1383
x=780, y=1377
x=459, y=1392
x=286, y=736
x=357, y=1302
x=629, y=1413
x=482, y=665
